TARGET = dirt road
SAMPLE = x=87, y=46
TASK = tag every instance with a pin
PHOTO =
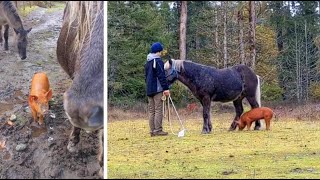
x=32, y=152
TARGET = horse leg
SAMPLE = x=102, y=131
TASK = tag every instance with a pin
x=73, y=139
x=239, y=110
x=206, y=104
x=100, y=155
x=6, y=35
x=254, y=104
x=1, y=40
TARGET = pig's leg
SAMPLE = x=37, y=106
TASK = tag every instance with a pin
x=73, y=139
x=41, y=122
x=34, y=115
x=267, y=123
x=249, y=123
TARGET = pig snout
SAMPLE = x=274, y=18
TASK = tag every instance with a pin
x=44, y=109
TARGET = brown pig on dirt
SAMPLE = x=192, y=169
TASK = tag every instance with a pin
x=39, y=97
x=253, y=115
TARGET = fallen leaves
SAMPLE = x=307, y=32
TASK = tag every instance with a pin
x=10, y=123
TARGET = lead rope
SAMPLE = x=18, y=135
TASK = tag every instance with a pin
x=182, y=132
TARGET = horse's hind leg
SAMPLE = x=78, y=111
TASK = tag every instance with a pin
x=73, y=139
x=207, y=126
x=239, y=110
x=254, y=104
x=6, y=35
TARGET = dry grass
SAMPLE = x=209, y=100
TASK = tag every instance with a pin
x=289, y=150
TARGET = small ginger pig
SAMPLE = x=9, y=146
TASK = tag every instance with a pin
x=253, y=115
x=39, y=97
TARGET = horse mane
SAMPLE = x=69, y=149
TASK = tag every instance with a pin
x=178, y=64
x=81, y=15
x=11, y=8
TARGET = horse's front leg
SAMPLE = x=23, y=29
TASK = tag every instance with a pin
x=1, y=40
x=239, y=110
x=6, y=35
x=100, y=154
x=207, y=126
x=74, y=139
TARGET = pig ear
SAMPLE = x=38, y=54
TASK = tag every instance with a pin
x=49, y=94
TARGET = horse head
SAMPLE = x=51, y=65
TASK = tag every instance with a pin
x=80, y=54
x=22, y=41
x=83, y=101
x=171, y=72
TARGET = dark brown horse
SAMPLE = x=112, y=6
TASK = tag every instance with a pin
x=209, y=84
x=10, y=17
x=80, y=54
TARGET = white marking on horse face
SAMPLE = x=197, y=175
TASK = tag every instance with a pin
x=166, y=65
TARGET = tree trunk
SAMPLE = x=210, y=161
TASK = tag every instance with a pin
x=297, y=64
x=216, y=37
x=252, y=21
x=278, y=27
x=240, y=22
x=183, y=30
x=225, y=55
x=197, y=43
x=307, y=63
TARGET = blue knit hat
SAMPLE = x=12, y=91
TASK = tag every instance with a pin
x=156, y=47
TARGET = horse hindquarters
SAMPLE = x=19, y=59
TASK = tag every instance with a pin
x=252, y=88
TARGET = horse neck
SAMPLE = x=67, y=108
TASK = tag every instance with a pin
x=91, y=58
x=10, y=13
x=184, y=78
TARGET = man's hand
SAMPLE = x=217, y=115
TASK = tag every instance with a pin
x=166, y=92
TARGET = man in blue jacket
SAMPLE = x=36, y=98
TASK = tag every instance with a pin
x=157, y=86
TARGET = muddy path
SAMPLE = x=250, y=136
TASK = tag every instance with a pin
x=33, y=152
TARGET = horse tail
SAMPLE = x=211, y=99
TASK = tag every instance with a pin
x=258, y=92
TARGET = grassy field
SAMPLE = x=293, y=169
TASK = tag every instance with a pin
x=289, y=150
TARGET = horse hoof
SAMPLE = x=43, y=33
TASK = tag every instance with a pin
x=205, y=132
x=71, y=147
x=100, y=174
x=257, y=128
